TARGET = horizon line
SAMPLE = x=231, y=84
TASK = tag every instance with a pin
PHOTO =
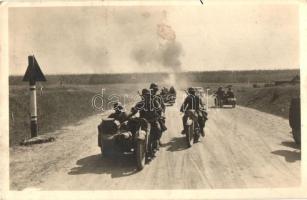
x=164, y=72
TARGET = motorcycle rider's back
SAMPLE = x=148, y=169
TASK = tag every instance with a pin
x=194, y=102
x=149, y=109
x=191, y=102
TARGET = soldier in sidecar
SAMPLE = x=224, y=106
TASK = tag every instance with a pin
x=135, y=135
x=229, y=98
x=168, y=95
x=119, y=134
x=172, y=95
x=222, y=98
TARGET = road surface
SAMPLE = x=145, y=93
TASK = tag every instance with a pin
x=243, y=148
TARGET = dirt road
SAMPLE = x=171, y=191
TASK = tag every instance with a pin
x=243, y=148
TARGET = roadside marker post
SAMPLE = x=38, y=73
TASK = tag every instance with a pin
x=33, y=74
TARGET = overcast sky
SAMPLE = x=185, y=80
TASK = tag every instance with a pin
x=142, y=39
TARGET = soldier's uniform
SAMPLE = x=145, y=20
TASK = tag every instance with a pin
x=149, y=109
x=220, y=95
x=230, y=94
x=158, y=97
x=194, y=102
x=119, y=114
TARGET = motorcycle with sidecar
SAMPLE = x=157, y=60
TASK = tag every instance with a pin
x=132, y=136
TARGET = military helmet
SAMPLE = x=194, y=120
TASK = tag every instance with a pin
x=191, y=90
x=145, y=92
x=118, y=106
x=154, y=86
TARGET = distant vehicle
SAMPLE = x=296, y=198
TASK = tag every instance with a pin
x=295, y=119
x=229, y=101
x=132, y=136
x=168, y=95
x=225, y=100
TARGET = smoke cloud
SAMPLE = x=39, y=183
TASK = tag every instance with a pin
x=132, y=39
x=164, y=51
x=170, y=55
x=166, y=55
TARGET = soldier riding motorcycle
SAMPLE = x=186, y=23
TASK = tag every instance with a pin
x=220, y=93
x=194, y=110
x=148, y=109
x=157, y=97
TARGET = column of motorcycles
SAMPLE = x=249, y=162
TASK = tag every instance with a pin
x=120, y=133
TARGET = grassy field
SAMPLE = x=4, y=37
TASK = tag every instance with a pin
x=275, y=100
x=56, y=107
x=59, y=106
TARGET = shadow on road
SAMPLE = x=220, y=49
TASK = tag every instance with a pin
x=96, y=164
x=291, y=144
x=290, y=156
x=176, y=144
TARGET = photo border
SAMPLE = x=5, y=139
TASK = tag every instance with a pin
x=264, y=193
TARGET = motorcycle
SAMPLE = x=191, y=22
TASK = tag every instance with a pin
x=132, y=137
x=168, y=96
x=192, y=131
x=220, y=102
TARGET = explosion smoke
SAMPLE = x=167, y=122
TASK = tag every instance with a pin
x=166, y=55
x=163, y=52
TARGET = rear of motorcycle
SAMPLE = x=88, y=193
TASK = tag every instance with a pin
x=230, y=101
x=140, y=149
x=192, y=131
